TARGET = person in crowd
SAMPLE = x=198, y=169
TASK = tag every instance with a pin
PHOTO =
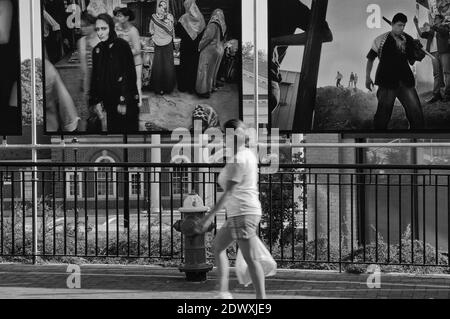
x=395, y=51
x=163, y=78
x=86, y=45
x=113, y=82
x=9, y=66
x=127, y=31
x=439, y=33
x=239, y=179
x=189, y=30
x=211, y=48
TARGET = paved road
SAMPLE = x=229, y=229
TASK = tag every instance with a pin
x=49, y=281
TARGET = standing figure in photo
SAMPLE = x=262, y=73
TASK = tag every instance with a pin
x=430, y=35
x=211, y=50
x=441, y=32
x=396, y=52
x=130, y=33
x=113, y=83
x=163, y=78
x=189, y=30
x=355, y=81
x=86, y=45
x=351, y=82
x=9, y=65
x=339, y=78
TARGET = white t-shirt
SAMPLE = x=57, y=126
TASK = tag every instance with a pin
x=243, y=169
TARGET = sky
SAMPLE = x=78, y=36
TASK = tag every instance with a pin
x=352, y=37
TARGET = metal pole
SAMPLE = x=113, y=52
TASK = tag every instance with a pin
x=34, y=131
x=126, y=189
x=256, y=65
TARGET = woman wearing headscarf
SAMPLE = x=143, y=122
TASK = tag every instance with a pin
x=113, y=84
x=9, y=67
x=211, y=50
x=191, y=25
x=130, y=33
x=163, y=70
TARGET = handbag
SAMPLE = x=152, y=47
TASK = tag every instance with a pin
x=266, y=260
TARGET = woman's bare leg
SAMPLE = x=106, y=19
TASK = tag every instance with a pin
x=254, y=266
x=221, y=243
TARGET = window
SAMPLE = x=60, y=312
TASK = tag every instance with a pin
x=106, y=177
x=74, y=187
x=180, y=181
x=136, y=183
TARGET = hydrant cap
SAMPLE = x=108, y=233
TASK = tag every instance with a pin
x=193, y=202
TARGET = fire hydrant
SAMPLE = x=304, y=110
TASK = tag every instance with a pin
x=195, y=266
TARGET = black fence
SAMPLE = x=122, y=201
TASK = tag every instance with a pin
x=315, y=216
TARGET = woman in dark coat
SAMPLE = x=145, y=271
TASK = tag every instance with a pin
x=113, y=84
x=189, y=30
x=10, y=120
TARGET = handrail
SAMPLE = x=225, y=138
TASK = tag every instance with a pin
x=215, y=165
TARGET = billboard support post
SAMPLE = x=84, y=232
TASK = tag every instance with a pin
x=304, y=109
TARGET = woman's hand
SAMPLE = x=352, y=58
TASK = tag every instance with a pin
x=122, y=109
x=202, y=226
x=98, y=109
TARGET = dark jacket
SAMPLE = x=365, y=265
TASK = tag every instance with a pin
x=113, y=82
x=394, y=67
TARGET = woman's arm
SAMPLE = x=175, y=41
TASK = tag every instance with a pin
x=152, y=27
x=83, y=63
x=94, y=97
x=208, y=219
x=208, y=36
x=6, y=12
x=136, y=42
x=69, y=118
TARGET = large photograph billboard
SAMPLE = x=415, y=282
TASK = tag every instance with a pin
x=132, y=67
x=360, y=66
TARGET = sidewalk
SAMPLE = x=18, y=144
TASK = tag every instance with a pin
x=124, y=282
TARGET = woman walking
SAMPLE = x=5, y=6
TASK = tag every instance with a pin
x=130, y=33
x=211, y=50
x=191, y=25
x=113, y=83
x=163, y=78
x=239, y=179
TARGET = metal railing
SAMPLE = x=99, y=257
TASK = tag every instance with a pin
x=328, y=216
